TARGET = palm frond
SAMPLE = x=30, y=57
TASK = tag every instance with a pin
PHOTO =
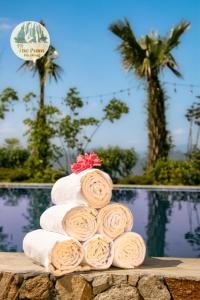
x=131, y=51
x=54, y=71
x=172, y=65
x=174, y=37
x=44, y=66
x=174, y=70
x=124, y=31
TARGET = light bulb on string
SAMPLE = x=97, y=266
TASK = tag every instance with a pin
x=62, y=100
x=175, y=90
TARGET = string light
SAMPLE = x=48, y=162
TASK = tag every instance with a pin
x=175, y=90
x=127, y=91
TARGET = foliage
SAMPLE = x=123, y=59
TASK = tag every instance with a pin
x=12, y=143
x=40, y=129
x=7, y=96
x=147, y=57
x=14, y=175
x=117, y=162
x=71, y=126
x=24, y=175
x=114, y=110
x=48, y=175
x=137, y=179
x=176, y=172
x=12, y=155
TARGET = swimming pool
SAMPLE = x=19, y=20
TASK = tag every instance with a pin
x=168, y=219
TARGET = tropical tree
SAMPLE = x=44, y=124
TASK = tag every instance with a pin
x=7, y=96
x=46, y=68
x=148, y=57
x=76, y=132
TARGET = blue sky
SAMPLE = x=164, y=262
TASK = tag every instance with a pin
x=79, y=31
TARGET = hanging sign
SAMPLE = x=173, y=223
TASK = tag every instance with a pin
x=30, y=40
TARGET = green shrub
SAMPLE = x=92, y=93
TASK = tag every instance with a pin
x=24, y=175
x=11, y=175
x=176, y=173
x=48, y=175
x=137, y=179
x=19, y=175
x=13, y=158
x=117, y=162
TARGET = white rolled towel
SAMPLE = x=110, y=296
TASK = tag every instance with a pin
x=79, y=222
x=91, y=187
x=129, y=250
x=98, y=252
x=114, y=219
x=59, y=253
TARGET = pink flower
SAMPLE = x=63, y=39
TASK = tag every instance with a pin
x=86, y=161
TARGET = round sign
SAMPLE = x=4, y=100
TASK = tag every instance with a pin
x=30, y=40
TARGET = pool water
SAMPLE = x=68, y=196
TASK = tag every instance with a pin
x=168, y=220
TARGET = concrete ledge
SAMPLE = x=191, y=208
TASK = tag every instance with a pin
x=157, y=279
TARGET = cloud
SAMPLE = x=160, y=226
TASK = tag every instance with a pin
x=178, y=131
x=6, y=128
x=5, y=24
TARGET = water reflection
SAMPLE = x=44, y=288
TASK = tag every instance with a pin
x=5, y=244
x=12, y=197
x=158, y=217
x=193, y=239
x=168, y=220
x=39, y=200
x=122, y=195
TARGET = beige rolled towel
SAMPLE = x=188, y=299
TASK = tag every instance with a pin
x=129, y=250
x=114, y=219
x=91, y=187
x=57, y=252
x=79, y=222
x=98, y=252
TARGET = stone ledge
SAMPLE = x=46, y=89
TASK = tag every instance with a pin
x=157, y=279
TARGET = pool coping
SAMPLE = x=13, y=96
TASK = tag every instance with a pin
x=116, y=186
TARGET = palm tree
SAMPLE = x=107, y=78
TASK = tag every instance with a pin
x=147, y=57
x=46, y=68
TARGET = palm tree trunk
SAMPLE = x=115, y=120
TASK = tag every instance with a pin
x=42, y=84
x=43, y=139
x=189, y=145
x=158, y=137
x=198, y=136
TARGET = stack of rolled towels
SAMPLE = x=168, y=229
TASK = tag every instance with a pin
x=83, y=230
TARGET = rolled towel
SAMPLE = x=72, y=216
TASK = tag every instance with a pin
x=79, y=222
x=98, y=252
x=57, y=252
x=129, y=250
x=114, y=219
x=91, y=187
